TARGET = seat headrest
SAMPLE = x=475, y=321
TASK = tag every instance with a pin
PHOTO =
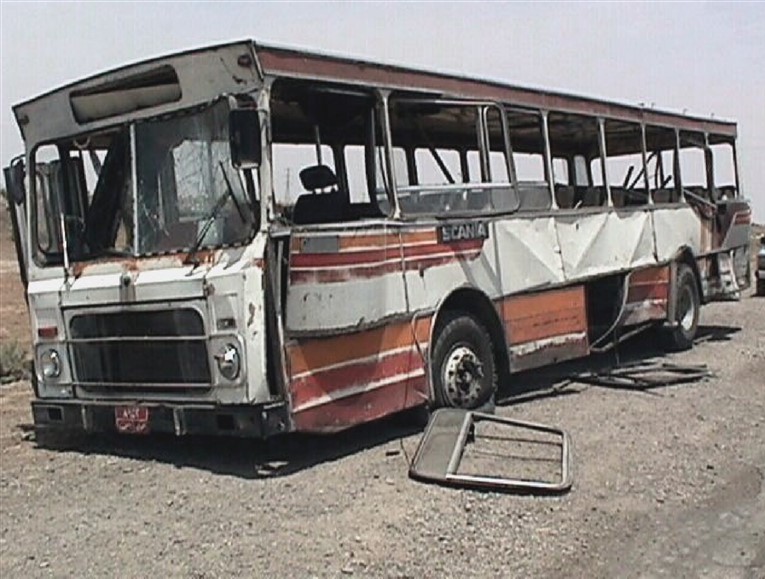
x=317, y=177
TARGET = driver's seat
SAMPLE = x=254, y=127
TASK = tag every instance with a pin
x=325, y=203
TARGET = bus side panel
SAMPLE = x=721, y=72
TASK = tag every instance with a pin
x=518, y=254
x=675, y=228
x=353, y=351
x=546, y=327
x=647, y=296
x=340, y=381
x=342, y=280
x=736, y=230
x=604, y=242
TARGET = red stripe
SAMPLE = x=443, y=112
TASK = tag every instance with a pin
x=363, y=407
x=340, y=275
x=324, y=382
x=743, y=218
x=307, y=260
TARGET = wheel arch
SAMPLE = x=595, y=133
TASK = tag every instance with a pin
x=686, y=256
x=476, y=303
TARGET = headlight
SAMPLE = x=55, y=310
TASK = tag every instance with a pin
x=50, y=364
x=229, y=362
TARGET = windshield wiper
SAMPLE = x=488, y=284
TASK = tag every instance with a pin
x=219, y=204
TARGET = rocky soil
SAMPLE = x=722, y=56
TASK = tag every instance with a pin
x=668, y=482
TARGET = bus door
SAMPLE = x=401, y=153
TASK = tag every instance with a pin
x=14, y=181
x=351, y=353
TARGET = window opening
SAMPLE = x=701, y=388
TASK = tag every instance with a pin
x=624, y=161
x=723, y=156
x=571, y=136
x=693, y=165
x=325, y=148
x=661, y=164
x=457, y=151
x=528, y=145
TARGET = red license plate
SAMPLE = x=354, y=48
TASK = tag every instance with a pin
x=131, y=419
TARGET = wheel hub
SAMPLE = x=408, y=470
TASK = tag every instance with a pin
x=463, y=372
x=686, y=309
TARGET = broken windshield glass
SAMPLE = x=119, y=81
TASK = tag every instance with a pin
x=156, y=187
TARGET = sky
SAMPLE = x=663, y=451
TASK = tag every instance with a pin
x=702, y=58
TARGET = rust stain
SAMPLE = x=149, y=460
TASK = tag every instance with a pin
x=544, y=315
x=650, y=275
x=137, y=264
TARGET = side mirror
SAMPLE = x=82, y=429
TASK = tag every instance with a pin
x=14, y=181
x=244, y=137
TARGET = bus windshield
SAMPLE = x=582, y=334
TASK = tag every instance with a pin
x=157, y=186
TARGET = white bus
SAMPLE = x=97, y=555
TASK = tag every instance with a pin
x=252, y=240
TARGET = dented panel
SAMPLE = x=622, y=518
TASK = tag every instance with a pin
x=336, y=382
x=598, y=243
x=546, y=327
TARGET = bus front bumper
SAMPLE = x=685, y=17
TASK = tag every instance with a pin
x=248, y=421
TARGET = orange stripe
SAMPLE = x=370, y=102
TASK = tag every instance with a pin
x=362, y=407
x=373, y=240
x=378, y=240
x=553, y=313
x=312, y=354
x=387, y=239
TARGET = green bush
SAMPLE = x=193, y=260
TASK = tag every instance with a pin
x=13, y=363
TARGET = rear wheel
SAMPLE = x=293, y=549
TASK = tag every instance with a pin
x=463, y=365
x=687, y=308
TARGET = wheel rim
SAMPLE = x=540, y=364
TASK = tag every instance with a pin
x=462, y=375
x=686, y=309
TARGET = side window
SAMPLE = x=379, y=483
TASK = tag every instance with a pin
x=453, y=173
x=325, y=144
x=288, y=159
x=574, y=136
x=437, y=167
x=355, y=167
x=662, y=164
x=528, y=144
x=724, y=166
x=693, y=166
x=581, y=175
x=560, y=171
x=401, y=175
x=624, y=163
x=498, y=162
x=48, y=228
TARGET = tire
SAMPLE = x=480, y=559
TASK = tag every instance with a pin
x=687, y=308
x=464, y=372
x=760, y=287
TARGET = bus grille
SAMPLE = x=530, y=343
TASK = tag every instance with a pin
x=145, y=350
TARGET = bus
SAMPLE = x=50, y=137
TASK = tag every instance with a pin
x=251, y=240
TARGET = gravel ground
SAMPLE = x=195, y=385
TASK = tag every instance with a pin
x=668, y=483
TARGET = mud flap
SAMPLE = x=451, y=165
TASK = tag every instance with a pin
x=451, y=433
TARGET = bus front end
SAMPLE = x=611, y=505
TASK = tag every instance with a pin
x=140, y=220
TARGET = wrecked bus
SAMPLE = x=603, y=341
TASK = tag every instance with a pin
x=252, y=240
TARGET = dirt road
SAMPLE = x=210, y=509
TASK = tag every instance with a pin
x=668, y=483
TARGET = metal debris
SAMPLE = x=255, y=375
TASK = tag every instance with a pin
x=452, y=432
x=645, y=375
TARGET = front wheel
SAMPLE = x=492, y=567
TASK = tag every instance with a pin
x=463, y=365
x=687, y=308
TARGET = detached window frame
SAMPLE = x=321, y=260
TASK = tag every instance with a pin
x=469, y=184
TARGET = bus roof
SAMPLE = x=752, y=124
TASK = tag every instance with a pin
x=240, y=66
